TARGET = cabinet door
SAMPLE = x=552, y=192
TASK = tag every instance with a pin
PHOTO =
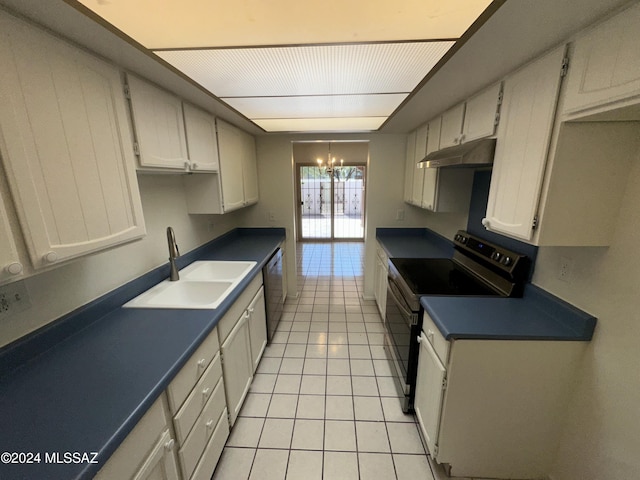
x=237, y=368
x=257, y=328
x=202, y=142
x=480, y=114
x=429, y=393
x=231, y=148
x=10, y=266
x=605, y=66
x=159, y=126
x=66, y=146
x=430, y=183
x=250, y=170
x=452, y=126
x=418, y=174
x=161, y=462
x=528, y=110
x=410, y=167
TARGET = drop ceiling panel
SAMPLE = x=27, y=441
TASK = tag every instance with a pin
x=311, y=70
x=205, y=23
x=318, y=106
x=366, y=124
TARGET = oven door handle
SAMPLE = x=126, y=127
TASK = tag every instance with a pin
x=394, y=291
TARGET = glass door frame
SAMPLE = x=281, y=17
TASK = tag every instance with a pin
x=299, y=204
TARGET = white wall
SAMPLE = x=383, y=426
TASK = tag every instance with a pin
x=385, y=182
x=61, y=290
x=602, y=435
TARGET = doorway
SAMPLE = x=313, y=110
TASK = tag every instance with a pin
x=331, y=202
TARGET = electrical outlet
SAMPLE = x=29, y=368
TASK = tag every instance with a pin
x=14, y=298
x=565, y=268
x=400, y=215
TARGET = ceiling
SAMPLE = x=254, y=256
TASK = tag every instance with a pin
x=516, y=33
x=292, y=66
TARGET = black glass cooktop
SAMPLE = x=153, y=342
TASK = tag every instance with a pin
x=439, y=276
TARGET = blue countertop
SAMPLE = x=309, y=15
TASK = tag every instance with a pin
x=82, y=383
x=414, y=243
x=538, y=315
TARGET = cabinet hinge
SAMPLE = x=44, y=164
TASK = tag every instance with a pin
x=500, y=97
x=136, y=149
x=565, y=67
x=435, y=451
x=497, y=119
x=444, y=383
x=534, y=225
x=127, y=92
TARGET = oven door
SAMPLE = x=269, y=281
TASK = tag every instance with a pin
x=401, y=326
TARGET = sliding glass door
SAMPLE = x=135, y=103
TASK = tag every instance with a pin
x=331, y=202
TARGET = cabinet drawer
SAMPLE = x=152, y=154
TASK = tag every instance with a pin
x=440, y=345
x=197, y=399
x=192, y=449
x=186, y=378
x=212, y=453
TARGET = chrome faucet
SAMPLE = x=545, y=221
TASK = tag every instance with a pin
x=173, y=254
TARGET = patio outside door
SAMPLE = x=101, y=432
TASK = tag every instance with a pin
x=331, y=202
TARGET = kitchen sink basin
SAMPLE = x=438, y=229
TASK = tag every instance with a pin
x=216, y=270
x=203, y=284
x=183, y=294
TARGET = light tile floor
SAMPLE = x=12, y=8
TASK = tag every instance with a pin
x=322, y=404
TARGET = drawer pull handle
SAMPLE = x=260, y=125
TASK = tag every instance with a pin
x=206, y=392
x=169, y=445
x=209, y=424
x=202, y=362
x=430, y=334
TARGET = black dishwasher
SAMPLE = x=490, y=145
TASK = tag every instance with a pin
x=273, y=291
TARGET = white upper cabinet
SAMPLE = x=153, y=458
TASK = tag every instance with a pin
x=476, y=118
x=10, y=266
x=249, y=169
x=430, y=183
x=232, y=153
x=409, y=167
x=66, y=146
x=452, y=126
x=236, y=184
x=418, y=174
x=530, y=98
x=605, y=65
x=158, y=125
x=202, y=141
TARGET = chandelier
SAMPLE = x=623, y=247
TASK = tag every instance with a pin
x=326, y=166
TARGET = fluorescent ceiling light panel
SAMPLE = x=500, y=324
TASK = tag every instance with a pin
x=312, y=70
x=366, y=124
x=317, y=106
x=205, y=23
x=291, y=65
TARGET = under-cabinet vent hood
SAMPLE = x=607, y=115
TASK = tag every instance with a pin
x=478, y=153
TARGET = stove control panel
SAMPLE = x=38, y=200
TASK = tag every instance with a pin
x=495, y=255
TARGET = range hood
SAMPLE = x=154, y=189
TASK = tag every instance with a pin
x=478, y=153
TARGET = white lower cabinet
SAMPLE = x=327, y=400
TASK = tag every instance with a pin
x=380, y=280
x=237, y=359
x=148, y=452
x=237, y=366
x=493, y=408
x=257, y=327
x=197, y=402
